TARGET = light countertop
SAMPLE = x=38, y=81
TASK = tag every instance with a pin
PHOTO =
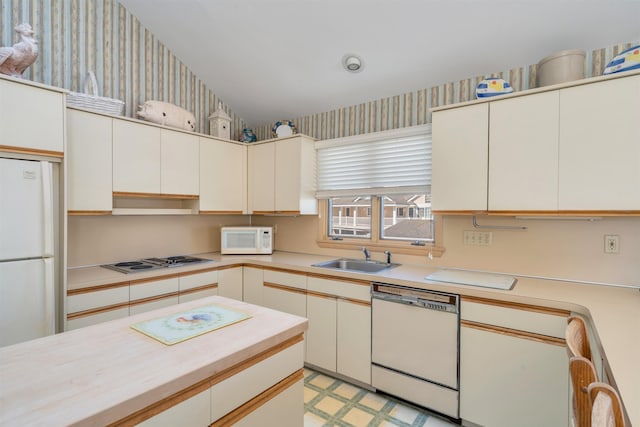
x=99, y=374
x=614, y=311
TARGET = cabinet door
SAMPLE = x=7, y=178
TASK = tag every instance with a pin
x=89, y=161
x=523, y=153
x=321, y=335
x=599, y=149
x=230, y=283
x=295, y=180
x=505, y=378
x=31, y=117
x=94, y=319
x=180, y=164
x=252, y=285
x=460, y=156
x=136, y=157
x=354, y=340
x=292, y=301
x=284, y=410
x=261, y=164
x=223, y=177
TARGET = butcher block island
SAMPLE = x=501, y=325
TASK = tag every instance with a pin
x=248, y=369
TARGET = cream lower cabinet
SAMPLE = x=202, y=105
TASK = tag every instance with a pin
x=267, y=393
x=90, y=308
x=322, y=342
x=89, y=162
x=196, y=285
x=339, y=334
x=31, y=118
x=193, y=412
x=281, y=176
x=150, y=294
x=223, y=177
x=513, y=367
x=252, y=284
x=230, y=283
x=285, y=292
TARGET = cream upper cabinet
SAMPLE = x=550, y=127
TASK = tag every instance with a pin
x=31, y=118
x=179, y=163
x=295, y=178
x=89, y=162
x=600, y=146
x=136, y=157
x=460, y=157
x=282, y=176
x=561, y=150
x=223, y=177
x=261, y=177
x=523, y=153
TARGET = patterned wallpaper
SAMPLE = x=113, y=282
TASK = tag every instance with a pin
x=412, y=108
x=77, y=36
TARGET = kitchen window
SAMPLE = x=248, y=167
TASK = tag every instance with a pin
x=374, y=191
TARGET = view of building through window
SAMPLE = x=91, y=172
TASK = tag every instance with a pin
x=403, y=217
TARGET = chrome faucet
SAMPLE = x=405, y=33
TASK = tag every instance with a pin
x=388, y=254
x=367, y=255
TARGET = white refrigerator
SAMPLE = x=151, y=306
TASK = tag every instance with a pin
x=27, y=264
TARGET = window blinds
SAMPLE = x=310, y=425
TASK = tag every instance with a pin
x=388, y=162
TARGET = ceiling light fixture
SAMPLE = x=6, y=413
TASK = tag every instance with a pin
x=352, y=63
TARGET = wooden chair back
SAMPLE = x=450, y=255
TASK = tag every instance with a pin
x=577, y=339
x=582, y=374
x=606, y=408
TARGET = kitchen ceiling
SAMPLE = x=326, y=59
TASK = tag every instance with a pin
x=271, y=60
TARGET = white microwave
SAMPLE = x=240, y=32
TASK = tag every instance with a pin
x=246, y=240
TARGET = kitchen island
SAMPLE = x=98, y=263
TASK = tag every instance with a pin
x=111, y=374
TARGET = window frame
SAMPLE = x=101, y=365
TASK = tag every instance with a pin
x=375, y=243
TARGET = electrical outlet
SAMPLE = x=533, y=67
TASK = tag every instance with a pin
x=611, y=244
x=477, y=238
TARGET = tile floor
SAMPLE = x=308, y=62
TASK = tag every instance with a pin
x=330, y=402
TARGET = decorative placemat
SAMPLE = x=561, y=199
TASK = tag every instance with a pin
x=181, y=326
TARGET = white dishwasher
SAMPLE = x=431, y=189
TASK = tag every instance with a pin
x=414, y=348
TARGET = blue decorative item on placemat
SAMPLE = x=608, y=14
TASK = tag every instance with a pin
x=492, y=87
x=248, y=135
x=625, y=61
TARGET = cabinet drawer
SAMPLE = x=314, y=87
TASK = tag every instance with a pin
x=192, y=296
x=196, y=280
x=153, y=304
x=286, y=279
x=520, y=318
x=94, y=319
x=153, y=288
x=339, y=288
x=91, y=300
x=248, y=383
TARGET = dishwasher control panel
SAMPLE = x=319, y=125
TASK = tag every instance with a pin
x=431, y=300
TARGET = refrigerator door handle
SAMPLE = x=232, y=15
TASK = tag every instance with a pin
x=47, y=207
x=49, y=296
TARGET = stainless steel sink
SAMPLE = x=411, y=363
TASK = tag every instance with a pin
x=357, y=265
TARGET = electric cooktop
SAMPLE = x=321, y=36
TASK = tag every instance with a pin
x=148, y=264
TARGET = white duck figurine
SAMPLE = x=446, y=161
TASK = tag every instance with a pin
x=14, y=60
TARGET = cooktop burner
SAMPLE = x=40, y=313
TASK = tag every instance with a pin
x=155, y=263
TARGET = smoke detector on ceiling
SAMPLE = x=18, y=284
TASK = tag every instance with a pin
x=352, y=63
